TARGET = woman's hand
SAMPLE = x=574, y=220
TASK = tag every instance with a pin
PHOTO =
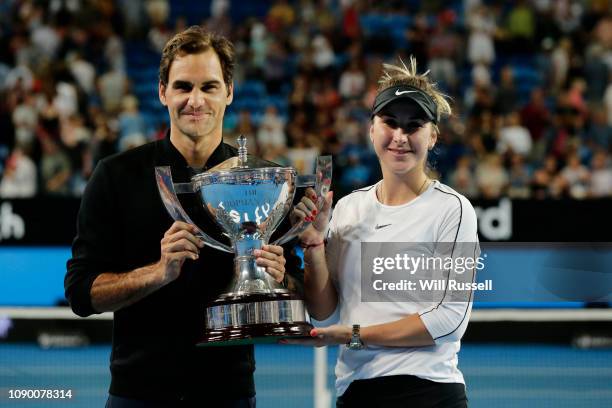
x=306, y=210
x=324, y=336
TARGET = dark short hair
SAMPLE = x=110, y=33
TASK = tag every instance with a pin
x=195, y=40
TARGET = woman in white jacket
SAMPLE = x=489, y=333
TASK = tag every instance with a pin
x=393, y=353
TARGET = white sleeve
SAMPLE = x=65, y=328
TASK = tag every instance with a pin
x=332, y=243
x=331, y=256
x=447, y=320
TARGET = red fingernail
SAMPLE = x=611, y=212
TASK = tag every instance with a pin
x=314, y=212
x=313, y=333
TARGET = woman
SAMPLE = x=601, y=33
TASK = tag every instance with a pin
x=397, y=353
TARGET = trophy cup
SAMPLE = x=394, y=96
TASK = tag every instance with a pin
x=248, y=198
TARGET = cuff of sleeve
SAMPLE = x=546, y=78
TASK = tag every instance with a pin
x=432, y=323
x=333, y=318
x=80, y=301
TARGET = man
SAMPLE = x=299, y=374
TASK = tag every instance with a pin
x=158, y=291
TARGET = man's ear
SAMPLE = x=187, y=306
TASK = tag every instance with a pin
x=161, y=91
x=371, y=132
x=230, y=93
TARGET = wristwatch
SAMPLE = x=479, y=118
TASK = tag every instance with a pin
x=355, y=343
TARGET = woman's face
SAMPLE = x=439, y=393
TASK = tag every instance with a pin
x=401, y=140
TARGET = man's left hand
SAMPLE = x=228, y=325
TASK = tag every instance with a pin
x=271, y=257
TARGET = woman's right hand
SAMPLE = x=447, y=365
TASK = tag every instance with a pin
x=306, y=210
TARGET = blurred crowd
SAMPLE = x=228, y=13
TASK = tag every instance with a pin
x=530, y=83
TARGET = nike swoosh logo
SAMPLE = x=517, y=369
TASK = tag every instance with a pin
x=381, y=226
x=398, y=92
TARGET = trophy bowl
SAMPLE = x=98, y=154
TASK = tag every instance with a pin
x=248, y=198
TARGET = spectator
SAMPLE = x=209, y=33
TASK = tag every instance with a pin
x=219, y=20
x=561, y=62
x=159, y=34
x=519, y=177
x=275, y=69
x=568, y=15
x=596, y=73
x=55, y=170
x=271, y=132
x=83, y=71
x=355, y=175
x=443, y=45
x=112, y=87
x=259, y=45
x=545, y=182
x=327, y=99
x=535, y=116
x=462, y=178
x=491, y=177
x=480, y=49
x=507, y=97
x=521, y=26
x=600, y=131
x=513, y=136
x=45, y=40
x=19, y=179
x=25, y=120
x=280, y=16
x=303, y=158
x=104, y=140
x=323, y=53
x=245, y=127
x=132, y=128
x=601, y=175
x=575, y=96
x=575, y=177
x=352, y=81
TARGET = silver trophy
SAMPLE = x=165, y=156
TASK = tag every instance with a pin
x=248, y=198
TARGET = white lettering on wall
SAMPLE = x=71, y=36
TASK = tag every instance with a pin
x=11, y=224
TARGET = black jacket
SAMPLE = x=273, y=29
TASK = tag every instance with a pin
x=121, y=222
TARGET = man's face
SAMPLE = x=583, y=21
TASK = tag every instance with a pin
x=196, y=95
x=400, y=138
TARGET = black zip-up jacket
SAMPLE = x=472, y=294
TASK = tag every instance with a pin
x=121, y=222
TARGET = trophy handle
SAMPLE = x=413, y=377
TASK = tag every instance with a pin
x=163, y=175
x=322, y=183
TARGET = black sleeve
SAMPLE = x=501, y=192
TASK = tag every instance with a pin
x=92, y=248
x=294, y=274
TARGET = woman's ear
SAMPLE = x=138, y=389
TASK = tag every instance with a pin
x=433, y=138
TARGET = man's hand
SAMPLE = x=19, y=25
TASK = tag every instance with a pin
x=271, y=257
x=179, y=244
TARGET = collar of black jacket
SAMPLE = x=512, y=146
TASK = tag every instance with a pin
x=222, y=152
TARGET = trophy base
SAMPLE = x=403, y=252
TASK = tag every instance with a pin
x=250, y=319
x=269, y=333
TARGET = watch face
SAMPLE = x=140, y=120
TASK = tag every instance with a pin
x=355, y=343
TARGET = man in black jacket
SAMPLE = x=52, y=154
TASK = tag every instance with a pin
x=158, y=291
